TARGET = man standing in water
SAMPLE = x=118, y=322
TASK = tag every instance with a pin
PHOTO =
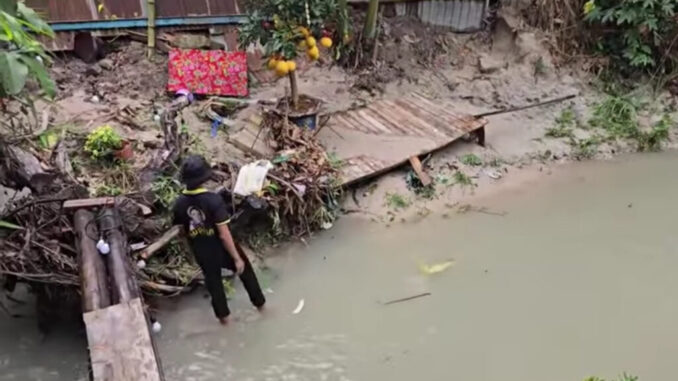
x=204, y=217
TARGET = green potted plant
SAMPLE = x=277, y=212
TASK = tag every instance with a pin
x=104, y=143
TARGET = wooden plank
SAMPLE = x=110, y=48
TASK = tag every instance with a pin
x=123, y=282
x=419, y=170
x=84, y=203
x=120, y=344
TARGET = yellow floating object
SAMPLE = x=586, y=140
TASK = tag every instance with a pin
x=436, y=268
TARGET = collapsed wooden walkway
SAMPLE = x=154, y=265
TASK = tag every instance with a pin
x=121, y=347
x=381, y=136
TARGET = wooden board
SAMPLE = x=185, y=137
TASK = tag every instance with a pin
x=379, y=137
x=120, y=344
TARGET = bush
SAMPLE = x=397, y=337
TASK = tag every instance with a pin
x=637, y=34
x=102, y=142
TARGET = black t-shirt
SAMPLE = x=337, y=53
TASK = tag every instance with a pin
x=199, y=212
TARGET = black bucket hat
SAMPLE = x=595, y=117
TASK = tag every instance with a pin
x=195, y=171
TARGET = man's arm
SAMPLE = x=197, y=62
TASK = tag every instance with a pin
x=227, y=241
x=222, y=219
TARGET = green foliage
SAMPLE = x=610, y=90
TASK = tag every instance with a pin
x=565, y=124
x=108, y=190
x=166, y=190
x=397, y=201
x=618, y=115
x=638, y=33
x=102, y=142
x=22, y=57
x=584, y=149
x=471, y=159
x=276, y=24
x=8, y=225
x=462, y=179
x=652, y=140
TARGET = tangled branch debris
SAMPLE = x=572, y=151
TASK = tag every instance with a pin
x=303, y=190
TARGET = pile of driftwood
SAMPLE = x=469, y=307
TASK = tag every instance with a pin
x=40, y=234
x=303, y=191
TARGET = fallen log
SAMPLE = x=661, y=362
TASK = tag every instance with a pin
x=95, y=291
x=124, y=286
x=160, y=242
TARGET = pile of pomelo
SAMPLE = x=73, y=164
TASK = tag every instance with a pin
x=283, y=67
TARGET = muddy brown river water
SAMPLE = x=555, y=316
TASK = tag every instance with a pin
x=579, y=278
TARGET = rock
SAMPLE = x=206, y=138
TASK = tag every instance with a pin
x=488, y=64
x=106, y=64
x=93, y=71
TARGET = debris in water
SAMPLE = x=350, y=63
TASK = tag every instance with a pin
x=408, y=298
x=300, y=307
x=156, y=327
x=437, y=268
x=493, y=175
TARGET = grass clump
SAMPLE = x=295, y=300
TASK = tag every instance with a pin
x=462, y=179
x=471, y=159
x=166, y=190
x=397, y=201
x=585, y=149
x=565, y=123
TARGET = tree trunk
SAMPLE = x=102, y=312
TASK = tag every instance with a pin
x=124, y=287
x=294, y=90
x=370, y=30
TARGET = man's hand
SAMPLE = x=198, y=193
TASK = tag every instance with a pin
x=239, y=266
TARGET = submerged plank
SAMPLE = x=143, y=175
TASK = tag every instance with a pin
x=120, y=344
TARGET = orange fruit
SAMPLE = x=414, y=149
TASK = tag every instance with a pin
x=304, y=31
x=291, y=66
x=313, y=53
x=272, y=63
x=326, y=42
x=310, y=41
x=281, y=68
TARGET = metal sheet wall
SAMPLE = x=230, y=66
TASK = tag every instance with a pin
x=459, y=15
x=87, y=10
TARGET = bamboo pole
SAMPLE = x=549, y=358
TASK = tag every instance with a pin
x=123, y=283
x=150, y=8
x=371, y=21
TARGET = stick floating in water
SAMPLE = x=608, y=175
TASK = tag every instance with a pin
x=408, y=298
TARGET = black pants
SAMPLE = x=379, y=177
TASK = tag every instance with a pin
x=211, y=265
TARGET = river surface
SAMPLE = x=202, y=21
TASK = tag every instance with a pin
x=578, y=278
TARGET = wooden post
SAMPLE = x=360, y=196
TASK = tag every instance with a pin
x=293, y=89
x=150, y=9
x=123, y=283
x=93, y=280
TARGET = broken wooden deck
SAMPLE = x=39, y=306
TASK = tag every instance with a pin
x=380, y=136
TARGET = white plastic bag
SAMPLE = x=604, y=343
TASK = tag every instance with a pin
x=251, y=177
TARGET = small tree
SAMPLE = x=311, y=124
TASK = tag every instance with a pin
x=287, y=27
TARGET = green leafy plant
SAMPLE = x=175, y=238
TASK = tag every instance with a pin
x=652, y=140
x=22, y=57
x=471, y=159
x=462, y=179
x=617, y=115
x=287, y=27
x=584, y=149
x=636, y=33
x=102, y=142
x=166, y=190
x=397, y=201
